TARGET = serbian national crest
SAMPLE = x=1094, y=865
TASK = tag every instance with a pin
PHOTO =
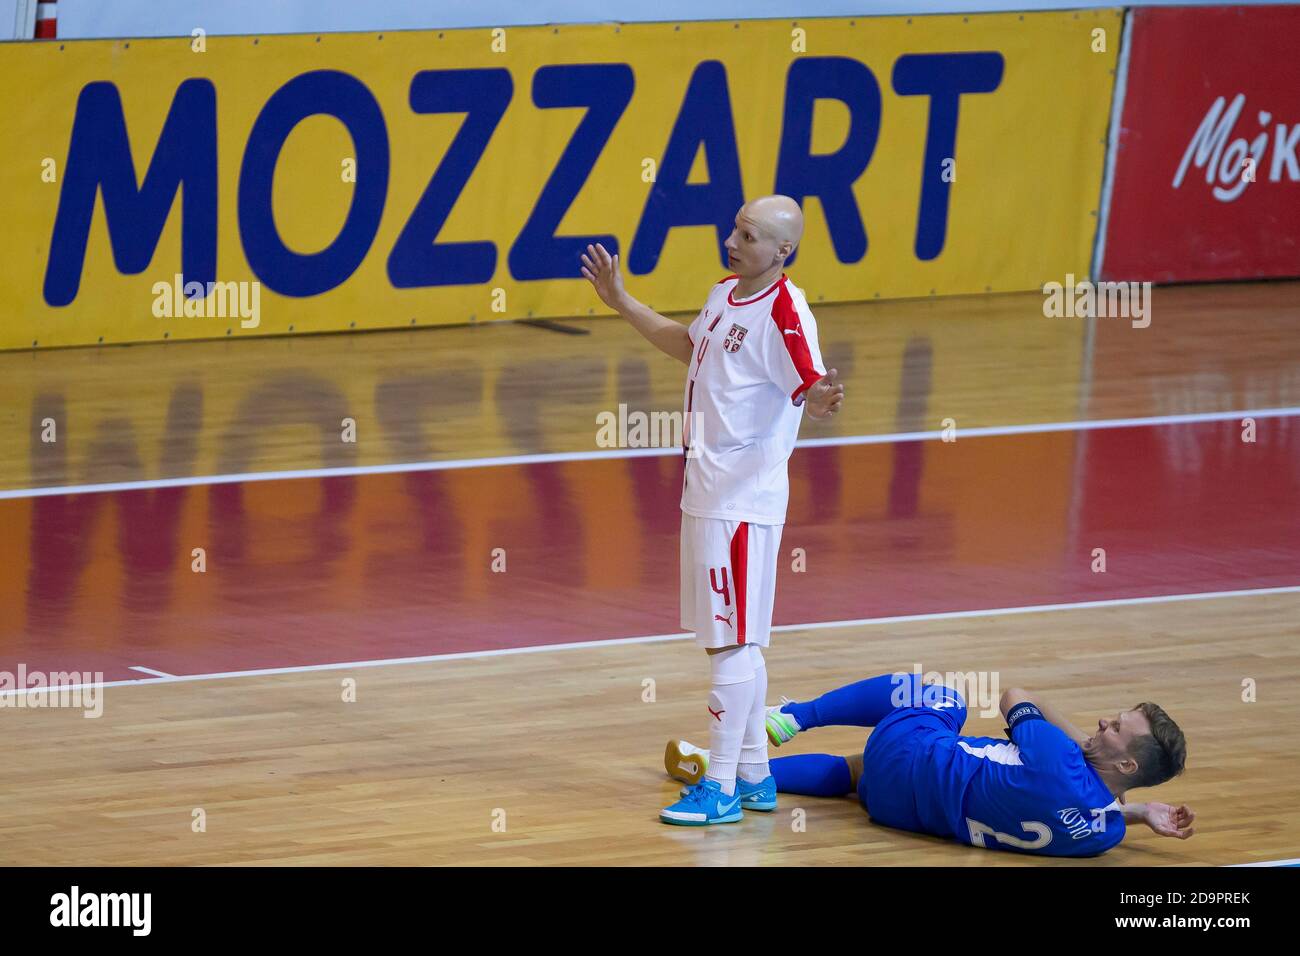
x=734, y=337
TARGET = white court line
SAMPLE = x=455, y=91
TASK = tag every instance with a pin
x=618, y=453
x=150, y=670
x=1295, y=862
x=617, y=641
x=1270, y=863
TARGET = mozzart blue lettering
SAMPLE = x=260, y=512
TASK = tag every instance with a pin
x=704, y=120
x=99, y=159
x=943, y=77
x=416, y=260
x=328, y=93
x=605, y=89
x=829, y=176
x=185, y=160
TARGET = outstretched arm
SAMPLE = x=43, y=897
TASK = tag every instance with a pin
x=1017, y=695
x=602, y=271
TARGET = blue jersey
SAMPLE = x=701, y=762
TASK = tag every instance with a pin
x=1035, y=793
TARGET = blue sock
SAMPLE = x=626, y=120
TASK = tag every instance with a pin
x=863, y=704
x=817, y=775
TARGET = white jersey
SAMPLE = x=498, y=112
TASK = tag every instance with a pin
x=752, y=362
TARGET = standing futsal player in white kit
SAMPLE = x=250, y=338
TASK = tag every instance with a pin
x=753, y=368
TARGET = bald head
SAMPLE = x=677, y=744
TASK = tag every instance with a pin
x=767, y=230
x=779, y=216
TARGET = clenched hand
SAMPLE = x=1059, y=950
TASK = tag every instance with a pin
x=824, y=396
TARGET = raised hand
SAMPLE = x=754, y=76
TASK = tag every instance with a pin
x=824, y=396
x=602, y=271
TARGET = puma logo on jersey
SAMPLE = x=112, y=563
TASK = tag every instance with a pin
x=725, y=620
x=791, y=331
x=717, y=714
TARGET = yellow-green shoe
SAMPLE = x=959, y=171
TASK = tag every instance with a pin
x=781, y=727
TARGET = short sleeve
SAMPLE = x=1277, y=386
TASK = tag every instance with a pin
x=1038, y=739
x=693, y=330
x=709, y=313
x=794, y=361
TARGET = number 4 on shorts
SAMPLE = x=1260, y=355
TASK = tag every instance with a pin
x=725, y=590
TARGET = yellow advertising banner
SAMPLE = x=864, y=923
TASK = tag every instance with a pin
x=204, y=187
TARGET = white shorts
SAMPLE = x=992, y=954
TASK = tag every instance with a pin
x=728, y=580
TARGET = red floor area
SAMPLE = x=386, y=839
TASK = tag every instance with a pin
x=342, y=569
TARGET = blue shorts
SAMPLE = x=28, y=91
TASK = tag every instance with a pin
x=886, y=785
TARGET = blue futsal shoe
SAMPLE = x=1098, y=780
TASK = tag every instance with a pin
x=704, y=804
x=757, y=796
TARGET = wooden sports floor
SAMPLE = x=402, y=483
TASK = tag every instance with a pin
x=454, y=640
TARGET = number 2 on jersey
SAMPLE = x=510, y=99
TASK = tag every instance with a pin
x=1043, y=835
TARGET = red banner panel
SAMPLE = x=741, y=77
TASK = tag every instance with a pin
x=1207, y=172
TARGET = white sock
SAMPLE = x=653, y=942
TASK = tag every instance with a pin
x=753, y=766
x=730, y=701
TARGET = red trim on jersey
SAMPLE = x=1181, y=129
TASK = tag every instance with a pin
x=690, y=402
x=740, y=575
x=786, y=318
x=752, y=299
x=699, y=357
x=714, y=324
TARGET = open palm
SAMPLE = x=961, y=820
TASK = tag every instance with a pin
x=603, y=272
x=1170, y=821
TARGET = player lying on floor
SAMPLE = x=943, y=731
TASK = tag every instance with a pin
x=1050, y=789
